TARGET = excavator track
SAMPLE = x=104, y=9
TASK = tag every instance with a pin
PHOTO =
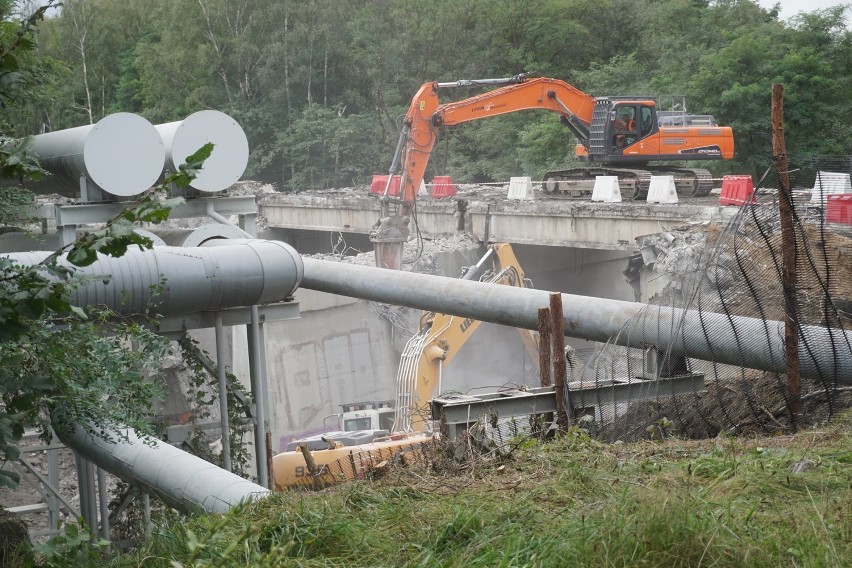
x=634, y=184
x=580, y=182
x=689, y=182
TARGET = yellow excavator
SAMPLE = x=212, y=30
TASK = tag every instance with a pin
x=336, y=456
x=441, y=337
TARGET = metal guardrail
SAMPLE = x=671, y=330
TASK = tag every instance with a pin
x=456, y=413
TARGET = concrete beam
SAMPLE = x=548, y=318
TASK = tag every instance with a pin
x=547, y=222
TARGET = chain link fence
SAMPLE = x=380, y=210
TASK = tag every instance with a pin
x=736, y=270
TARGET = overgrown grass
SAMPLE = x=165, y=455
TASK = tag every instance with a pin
x=782, y=501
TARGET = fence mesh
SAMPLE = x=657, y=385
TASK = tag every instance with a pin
x=724, y=273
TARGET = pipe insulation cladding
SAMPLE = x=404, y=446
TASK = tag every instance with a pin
x=735, y=340
x=181, y=480
x=208, y=278
x=199, y=236
x=122, y=154
x=229, y=159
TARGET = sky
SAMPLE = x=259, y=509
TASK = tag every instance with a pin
x=790, y=8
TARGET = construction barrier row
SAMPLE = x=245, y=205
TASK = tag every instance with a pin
x=833, y=190
x=442, y=186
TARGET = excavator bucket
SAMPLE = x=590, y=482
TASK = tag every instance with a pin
x=388, y=236
x=389, y=253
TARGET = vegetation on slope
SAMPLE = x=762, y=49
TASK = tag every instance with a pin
x=779, y=501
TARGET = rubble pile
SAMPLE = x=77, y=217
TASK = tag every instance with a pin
x=736, y=270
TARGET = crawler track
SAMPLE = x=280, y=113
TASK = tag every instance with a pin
x=633, y=183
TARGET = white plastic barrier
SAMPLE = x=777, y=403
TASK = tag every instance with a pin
x=662, y=190
x=606, y=189
x=521, y=188
x=830, y=183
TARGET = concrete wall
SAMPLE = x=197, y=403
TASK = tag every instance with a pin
x=570, y=270
x=586, y=272
x=339, y=351
x=492, y=358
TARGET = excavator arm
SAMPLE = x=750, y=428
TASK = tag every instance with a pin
x=442, y=336
x=426, y=115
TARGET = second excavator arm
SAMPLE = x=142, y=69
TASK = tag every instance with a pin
x=443, y=335
x=426, y=115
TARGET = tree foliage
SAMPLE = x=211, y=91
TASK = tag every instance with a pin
x=53, y=354
x=320, y=86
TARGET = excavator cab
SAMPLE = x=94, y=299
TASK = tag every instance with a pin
x=629, y=122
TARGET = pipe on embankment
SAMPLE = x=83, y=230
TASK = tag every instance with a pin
x=122, y=154
x=226, y=275
x=181, y=480
x=735, y=340
x=179, y=280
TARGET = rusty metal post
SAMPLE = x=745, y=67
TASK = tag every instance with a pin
x=270, y=473
x=557, y=340
x=309, y=460
x=544, y=346
x=788, y=256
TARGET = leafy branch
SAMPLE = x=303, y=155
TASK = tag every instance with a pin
x=23, y=40
x=80, y=368
x=118, y=233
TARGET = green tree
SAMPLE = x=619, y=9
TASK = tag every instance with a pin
x=53, y=354
x=285, y=69
x=812, y=61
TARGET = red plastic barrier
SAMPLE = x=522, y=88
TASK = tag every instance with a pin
x=443, y=186
x=838, y=209
x=379, y=183
x=737, y=190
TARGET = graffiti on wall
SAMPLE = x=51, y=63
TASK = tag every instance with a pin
x=311, y=379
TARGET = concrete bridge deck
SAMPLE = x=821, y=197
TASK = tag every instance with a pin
x=488, y=215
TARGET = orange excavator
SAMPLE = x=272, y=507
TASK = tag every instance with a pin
x=617, y=136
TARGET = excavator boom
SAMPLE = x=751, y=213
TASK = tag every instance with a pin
x=425, y=115
x=441, y=338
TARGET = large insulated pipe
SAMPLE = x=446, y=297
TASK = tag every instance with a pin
x=229, y=159
x=743, y=341
x=246, y=273
x=122, y=154
x=200, y=235
x=181, y=480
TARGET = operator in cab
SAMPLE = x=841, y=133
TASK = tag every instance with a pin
x=624, y=124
